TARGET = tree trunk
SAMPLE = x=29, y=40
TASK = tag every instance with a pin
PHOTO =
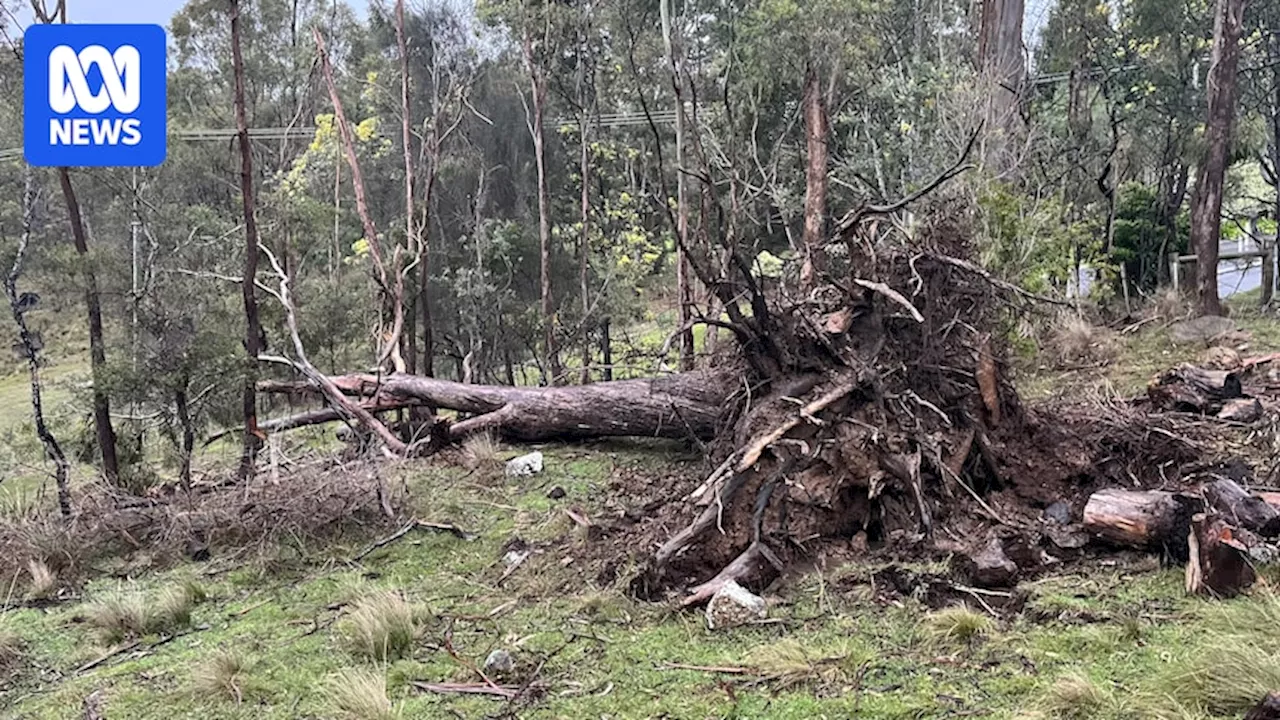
x=684, y=293
x=584, y=247
x=675, y=406
x=412, y=243
x=1206, y=206
x=253, y=336
x=1147, y=519
x=538, y=87
x=188, y=435
x=815, y=191
x=606, y=350
x=1000, y=57
x=97, y=344
x=31, y=349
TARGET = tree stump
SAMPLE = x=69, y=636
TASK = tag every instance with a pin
x=1242, y=509
x=1145, y=519
x=1218, y=562
x=1192, y=389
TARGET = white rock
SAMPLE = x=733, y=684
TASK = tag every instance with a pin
x=499, y=662
x=525, y=465
x=734, y=605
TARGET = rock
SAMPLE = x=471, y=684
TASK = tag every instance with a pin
x=991, y=568
x=1267, y=709
x=1058, y=512
x=1066, y=537
x=734, y=605
x=515, y=557
x=499, y=663
x=1244, y=410
x=1221, y=358
x=556, y=493
x=525, y=465
x=1200, y=330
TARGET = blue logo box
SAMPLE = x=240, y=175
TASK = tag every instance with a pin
x=94, y=95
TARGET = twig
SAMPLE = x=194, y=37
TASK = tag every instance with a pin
x=892, y=294
x=727, y=669
x=501, y=691
x=970, y=267
x=103, y=658
x=410, y=527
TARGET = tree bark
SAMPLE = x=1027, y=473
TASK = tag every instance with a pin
x=31, y=350
x=1206, y=205
x=584, y=248
x=538, y=87
x=1241, y=509
x=97, y=344
x=684, y=293
x=1000, y=57
x=1132, y=518
x=1188, y=388
x=253, y=336
x=675, y=406
x=1218, y=563
x=815, y=192
x=412, y=242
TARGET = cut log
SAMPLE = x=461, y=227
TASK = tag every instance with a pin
x=680, y=406
x=1147, y=519
x=1241, y=509
x=1241, y=410
x=1218, y=564
x=1188, y=388
x=1267, y=709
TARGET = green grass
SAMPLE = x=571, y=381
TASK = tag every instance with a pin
x=1144, y=353
x=836, y=652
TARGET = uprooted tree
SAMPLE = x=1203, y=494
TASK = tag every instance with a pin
x=872, y=404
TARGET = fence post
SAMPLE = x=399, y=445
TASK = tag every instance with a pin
x=1175, y=274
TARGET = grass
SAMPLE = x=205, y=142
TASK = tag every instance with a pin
x=383, y=626
x=360, y=694
x=42, y=582
x=280, y=635
x=124, y=614
x=224, y=676
x=956, y=624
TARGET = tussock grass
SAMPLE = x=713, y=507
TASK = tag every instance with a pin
x=42, y=580
x=124, y=614
x=11, y=648
x=791, y=662
x=383, y=626
x=1075, y=696
x=224, y=675
x=359, y=694
x=957, y=624
x=1073, y=340
x=481, y=451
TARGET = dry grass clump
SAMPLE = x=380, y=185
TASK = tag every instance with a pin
x=43, y=581
x=481, y=451
x=1074, y=341
x=122, y=614
x=1075, y=696
x=360, y=694
x=224, y=675
x=11, y=648
x=383, y=626
x=957, y=624
x=1170, y=304
x=789, y=662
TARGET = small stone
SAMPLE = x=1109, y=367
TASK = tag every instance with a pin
x=1058, y=512
x=556, y=493
x=1200, y=330
x=525, y=465
x=514, y=557
x=734, y=605
x=991, y=568
x=499, y=662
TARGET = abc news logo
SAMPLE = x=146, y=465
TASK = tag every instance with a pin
x=95, y=95
x=69, y=89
